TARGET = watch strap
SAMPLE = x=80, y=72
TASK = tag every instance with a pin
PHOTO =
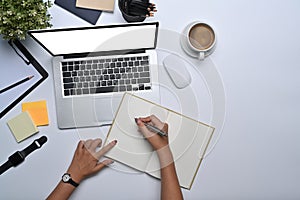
x=73, y=182
x=5, y=167
x=36, y=144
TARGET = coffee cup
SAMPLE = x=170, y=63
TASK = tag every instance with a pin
x=198, y=40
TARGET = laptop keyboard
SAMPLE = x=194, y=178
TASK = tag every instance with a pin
x=106, y=75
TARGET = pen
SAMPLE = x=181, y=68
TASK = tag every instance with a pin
x=153, y=129
x=16, y=84
x=140, y=8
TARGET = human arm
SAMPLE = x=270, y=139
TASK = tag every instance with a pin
x=170, y=188
x=84, y=163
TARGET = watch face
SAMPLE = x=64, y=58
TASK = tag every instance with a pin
x=66, y=178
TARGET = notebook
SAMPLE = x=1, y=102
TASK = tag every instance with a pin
x=106, y=5
x=88, y=15
x=188, y=139
x=94, y=66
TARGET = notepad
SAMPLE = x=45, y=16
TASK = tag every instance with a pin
x=104, y=5
x=188, y=139
x=38, y=112
x=22, y=126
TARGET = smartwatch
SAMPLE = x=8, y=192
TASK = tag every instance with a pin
x=19, y=156
x=66, y=178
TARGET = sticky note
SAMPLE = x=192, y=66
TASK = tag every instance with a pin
x=38, y=112
x=22, y=126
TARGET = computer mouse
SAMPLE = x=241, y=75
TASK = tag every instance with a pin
x=177, y=71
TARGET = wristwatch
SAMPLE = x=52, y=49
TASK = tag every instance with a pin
x=66, y=178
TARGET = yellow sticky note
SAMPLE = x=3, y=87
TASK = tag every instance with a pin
x=38, y=112
x=22, y=126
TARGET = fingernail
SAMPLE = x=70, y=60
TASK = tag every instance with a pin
x=108, y=162
x=115, y=141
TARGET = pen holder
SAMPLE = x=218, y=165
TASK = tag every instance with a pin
x=124, y=8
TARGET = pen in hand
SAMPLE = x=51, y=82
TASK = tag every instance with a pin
x=153, y=128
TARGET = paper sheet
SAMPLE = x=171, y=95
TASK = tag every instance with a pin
x=38, y=112
x=22, y=126
x=106, y=5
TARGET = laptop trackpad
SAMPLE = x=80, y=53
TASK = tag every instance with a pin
x=105, y=108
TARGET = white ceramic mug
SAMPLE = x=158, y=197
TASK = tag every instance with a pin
x=198, y=39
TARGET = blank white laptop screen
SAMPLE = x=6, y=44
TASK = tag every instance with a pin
x=95, y=39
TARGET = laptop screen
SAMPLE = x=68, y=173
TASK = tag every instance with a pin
x=97, y=38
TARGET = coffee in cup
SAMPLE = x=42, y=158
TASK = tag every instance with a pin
x=198, y=40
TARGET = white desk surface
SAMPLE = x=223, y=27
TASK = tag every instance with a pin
x=257, y=155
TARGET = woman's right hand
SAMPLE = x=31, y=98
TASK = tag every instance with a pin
x=157, y=141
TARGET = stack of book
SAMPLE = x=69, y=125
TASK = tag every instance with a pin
x=87, y=10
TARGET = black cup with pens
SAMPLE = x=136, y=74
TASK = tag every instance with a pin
x=136, y=10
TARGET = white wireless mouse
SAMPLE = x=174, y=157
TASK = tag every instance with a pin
x=176, y=69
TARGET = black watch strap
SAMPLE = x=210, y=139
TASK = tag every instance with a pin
x=5, y=167
x=34, y=146
x=73, y=183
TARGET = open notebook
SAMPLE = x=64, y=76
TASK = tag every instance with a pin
x=188, y=139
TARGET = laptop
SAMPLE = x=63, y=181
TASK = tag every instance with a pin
x=94, y=66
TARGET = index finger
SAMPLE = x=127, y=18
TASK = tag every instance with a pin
x=105, y=149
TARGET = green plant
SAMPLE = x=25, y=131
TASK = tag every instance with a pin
x=19, y=16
